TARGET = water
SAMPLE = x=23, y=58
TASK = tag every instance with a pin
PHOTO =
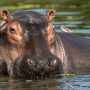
x=74, y=14
x=78, y=82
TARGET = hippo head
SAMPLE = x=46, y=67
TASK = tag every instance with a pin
x=21, y=26
x=35, y=33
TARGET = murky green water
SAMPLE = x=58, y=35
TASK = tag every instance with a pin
x=74, y=14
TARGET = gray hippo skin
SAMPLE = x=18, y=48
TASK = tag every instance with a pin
x=45, y=53
x=73, y=52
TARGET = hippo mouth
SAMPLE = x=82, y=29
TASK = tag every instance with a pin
x=27, y=68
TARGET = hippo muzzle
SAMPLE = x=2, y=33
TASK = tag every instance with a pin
x=42, y=64
x=36, y=68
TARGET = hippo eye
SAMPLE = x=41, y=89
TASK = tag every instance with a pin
x=12, y=30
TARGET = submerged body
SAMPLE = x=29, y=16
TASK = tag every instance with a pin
x=73, y=51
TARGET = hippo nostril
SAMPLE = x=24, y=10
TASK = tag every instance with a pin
x=31, y=62
x=53, y=62
x=42, y=63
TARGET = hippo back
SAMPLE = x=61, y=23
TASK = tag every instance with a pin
x=76, y=50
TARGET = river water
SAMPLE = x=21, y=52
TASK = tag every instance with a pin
x=78, y=82
x=73, y=14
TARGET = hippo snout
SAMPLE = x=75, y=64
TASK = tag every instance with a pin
x=36, y=68
x=42, y=68
x=41, y=64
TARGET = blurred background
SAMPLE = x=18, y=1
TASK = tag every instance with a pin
x=74, y=14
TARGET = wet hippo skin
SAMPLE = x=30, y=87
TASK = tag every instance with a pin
x=35, y=50
x=74, y=53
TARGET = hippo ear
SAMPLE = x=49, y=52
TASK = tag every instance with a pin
x=50, y=14
x=5, y=14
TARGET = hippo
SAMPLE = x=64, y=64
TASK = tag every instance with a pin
x=69, y=53
x=23, y=43
x=36, y=50
x=39, y=61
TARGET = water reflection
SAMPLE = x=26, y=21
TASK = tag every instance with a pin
x=10, y=84
x=68, y=13
x=78, y=82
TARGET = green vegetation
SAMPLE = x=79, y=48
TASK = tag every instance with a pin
x=23, y=4
x=68, y=75
x=64, y=75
